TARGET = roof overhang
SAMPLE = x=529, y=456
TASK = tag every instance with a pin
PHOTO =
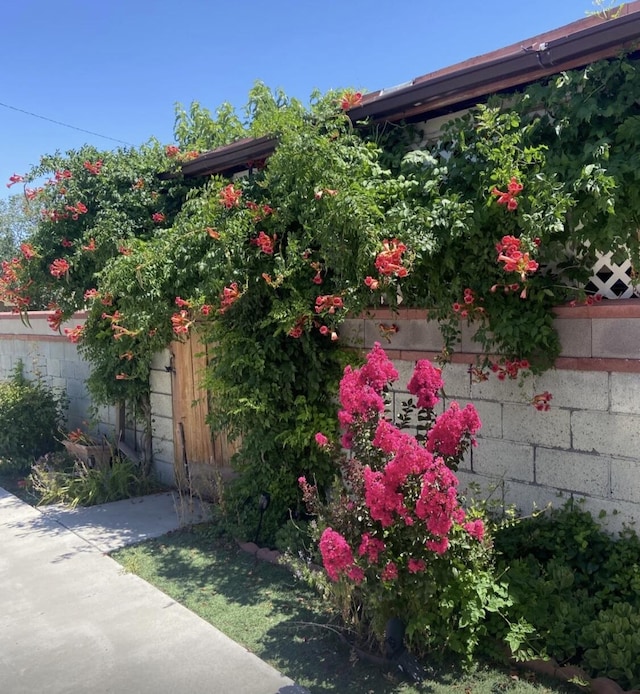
x=230, y=159
x=572, y=46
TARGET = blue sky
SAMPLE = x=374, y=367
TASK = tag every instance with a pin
x=118, y=67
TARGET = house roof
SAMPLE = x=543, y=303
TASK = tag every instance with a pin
x=569, y=47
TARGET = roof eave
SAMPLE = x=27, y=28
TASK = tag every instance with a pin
x=582, y=43
x=517, y=69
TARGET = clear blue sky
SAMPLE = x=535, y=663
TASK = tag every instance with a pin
x=117, y=67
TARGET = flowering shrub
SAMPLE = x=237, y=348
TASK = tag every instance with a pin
x=396, y=535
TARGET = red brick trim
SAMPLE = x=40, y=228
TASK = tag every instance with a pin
x=6, y=315
x=618, y=308
x=562, y=363
x=34, y=337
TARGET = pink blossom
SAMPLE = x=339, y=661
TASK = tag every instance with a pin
x=361, y=389
x=475, y=528
x=438, y=546
x=378, y=370
x=336, y=553
x=452, y=428
x=416, y=566
x=357, y=398
x=372, y=547
x=425, y=383
x=384, y=502
x=321, y=440
x=390, y=572
x=356, y=574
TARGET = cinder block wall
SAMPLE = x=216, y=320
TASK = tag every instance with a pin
x=587, y=445
x=51, y=356
x=162, y=418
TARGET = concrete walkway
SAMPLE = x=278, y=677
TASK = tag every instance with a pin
x=73, y=622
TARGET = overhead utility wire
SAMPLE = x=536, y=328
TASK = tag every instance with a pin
x=66, y=125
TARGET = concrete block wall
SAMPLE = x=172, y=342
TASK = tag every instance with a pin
x=162, y=418
x=55, y=359
x=586, y=446
x=52, y=357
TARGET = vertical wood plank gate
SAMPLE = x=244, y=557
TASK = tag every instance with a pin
x=201, y=460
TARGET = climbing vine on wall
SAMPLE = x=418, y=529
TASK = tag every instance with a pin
x=495, y=224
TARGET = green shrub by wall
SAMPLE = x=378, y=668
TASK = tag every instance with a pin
x=31, y=413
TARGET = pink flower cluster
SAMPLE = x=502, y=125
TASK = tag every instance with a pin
x=452, y=428
x=425, y=384
x=337, y=556
x=361, y=389
x=405, y=485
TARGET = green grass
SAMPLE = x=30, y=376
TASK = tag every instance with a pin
x=280, y=619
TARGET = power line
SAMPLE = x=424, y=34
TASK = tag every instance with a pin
x=66, y=125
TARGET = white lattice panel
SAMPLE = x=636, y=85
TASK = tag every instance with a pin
x=612, y=281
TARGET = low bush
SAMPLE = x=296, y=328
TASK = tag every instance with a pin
x=30, y=415
x=578, y=586
x=60, y=478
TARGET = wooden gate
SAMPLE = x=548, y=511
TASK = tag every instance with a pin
x=201, y=460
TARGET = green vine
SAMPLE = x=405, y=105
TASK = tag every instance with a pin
x=494, y=224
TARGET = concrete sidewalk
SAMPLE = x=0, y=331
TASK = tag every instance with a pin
x=73, y=622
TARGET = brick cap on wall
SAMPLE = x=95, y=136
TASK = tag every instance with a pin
x=619, y=308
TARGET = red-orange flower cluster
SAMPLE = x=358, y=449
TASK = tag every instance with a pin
x=509, y=253
x=16, y=178
x=326, y=330
x=54, y=215
x=230, y=197
x=509, y=198
x=509, y=368
x=389, y=260
x=329, y=303
x=264, y=242
x=181, y=322
x=31, y=193
x=541, y=401
x=13, y=290
x=93, y=168
x=259, y=211
x=55, y=319
x=350, y=100
x=27, y=251
x=229, y=295
x=62, y=175
x=76, y=210
x=325, y=191
x=74, y=334
x=372, y=283
x=468, y=306
x=59, y=267
x=298, y=328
